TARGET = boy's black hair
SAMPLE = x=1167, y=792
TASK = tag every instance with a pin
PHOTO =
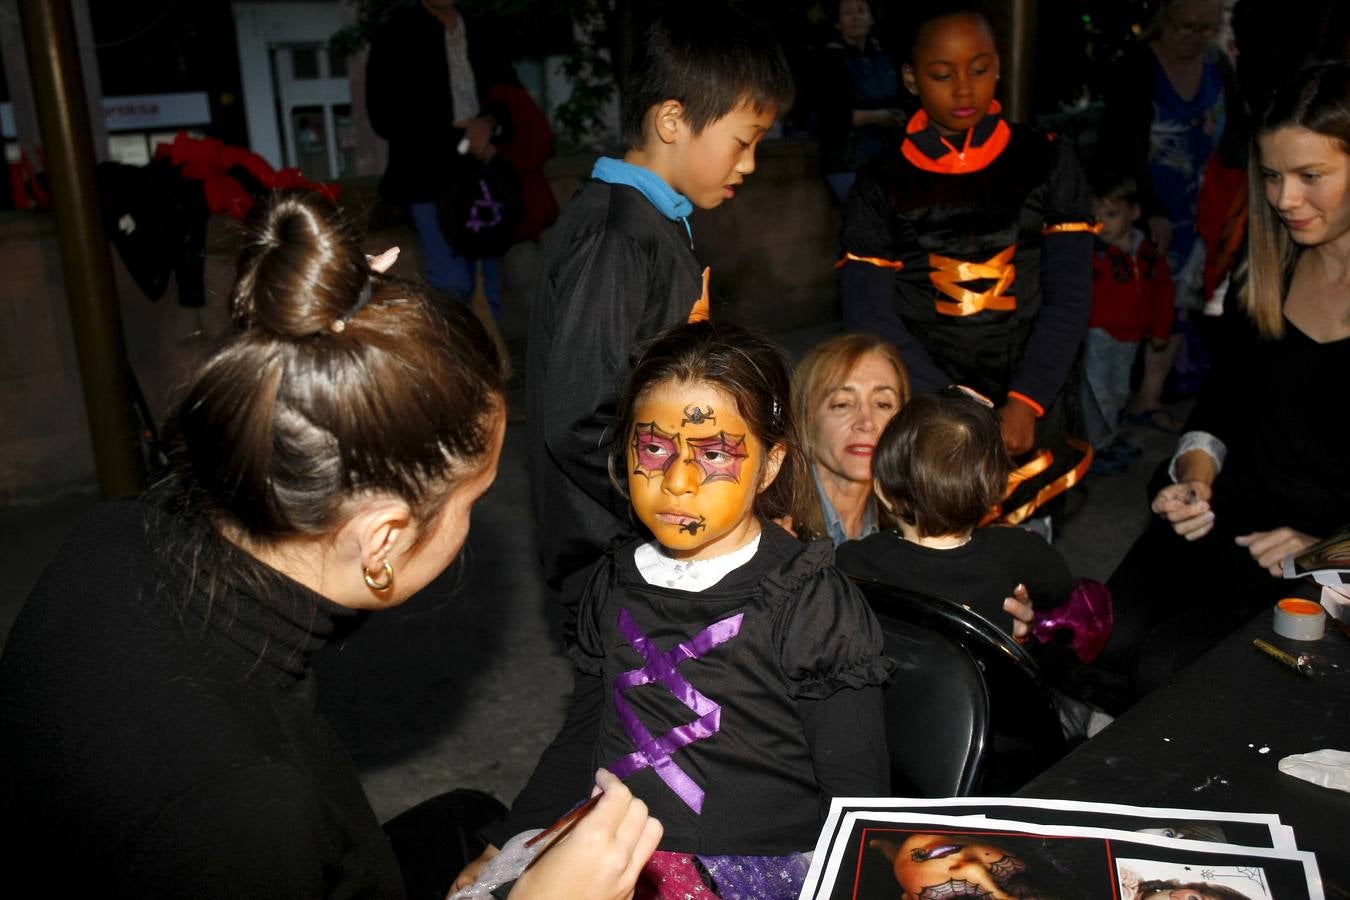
x=710, y=58
x=1110, y=185
x=919, y=16
x=941, y=462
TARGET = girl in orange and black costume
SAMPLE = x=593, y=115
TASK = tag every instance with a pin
x=972, y=251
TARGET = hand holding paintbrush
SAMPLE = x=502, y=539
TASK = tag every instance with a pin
x=596, y=850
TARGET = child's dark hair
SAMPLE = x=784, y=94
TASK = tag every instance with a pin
x=1108, y=185
x=941, y=462
x=745, y=365
x=710, y=58
x=922, y=15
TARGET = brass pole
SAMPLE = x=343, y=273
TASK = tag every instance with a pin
x=1021, y=59
x=63, y=116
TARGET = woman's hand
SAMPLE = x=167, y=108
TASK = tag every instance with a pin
x=1186, y=505
x=1019, y=607
x=470, y=873
x=601, y=856
x=1269, y=548
x=479, y=134
x=1019, y=427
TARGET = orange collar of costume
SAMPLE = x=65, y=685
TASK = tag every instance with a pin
x=927, y=149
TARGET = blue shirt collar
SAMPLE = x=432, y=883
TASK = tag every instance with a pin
x=668, y=201
x=834, y=526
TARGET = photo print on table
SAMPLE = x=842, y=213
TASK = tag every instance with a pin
x=1148, y=879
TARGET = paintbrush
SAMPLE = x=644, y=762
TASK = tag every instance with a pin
x=566, y=821
x=1300, y=664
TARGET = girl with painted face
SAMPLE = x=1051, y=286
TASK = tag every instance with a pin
x=742, y=672
x=971, y=251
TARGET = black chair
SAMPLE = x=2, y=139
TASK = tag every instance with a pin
x=1024, y=732
x=937, y=713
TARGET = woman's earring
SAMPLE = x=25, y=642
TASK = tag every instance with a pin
x=379, y=585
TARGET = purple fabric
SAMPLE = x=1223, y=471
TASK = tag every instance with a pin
x=671, y=876
x=674, y=876
x=661, y=668
x=758, y=877
x=1088, y=614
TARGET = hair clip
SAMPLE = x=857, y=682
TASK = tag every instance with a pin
x=339, y=325
x=777, y=410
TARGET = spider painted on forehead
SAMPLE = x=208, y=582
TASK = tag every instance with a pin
x=694, y=415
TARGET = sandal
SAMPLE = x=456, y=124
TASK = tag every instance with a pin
x=1158, y=418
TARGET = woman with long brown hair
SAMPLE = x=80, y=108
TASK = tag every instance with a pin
x=157, y=718
x=1261, y=472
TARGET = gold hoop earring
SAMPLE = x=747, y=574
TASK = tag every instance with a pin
x=379, y=585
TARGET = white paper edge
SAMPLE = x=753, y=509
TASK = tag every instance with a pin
x=1281, y=835
x=1311, y=874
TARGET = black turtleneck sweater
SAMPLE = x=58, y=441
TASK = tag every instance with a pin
x=157, y=741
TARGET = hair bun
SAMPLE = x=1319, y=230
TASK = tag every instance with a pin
x=301, y=268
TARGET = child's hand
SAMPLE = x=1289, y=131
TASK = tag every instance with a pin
x=470, y=873
x=1019, y=607
x=601, y=856
x=1019, y=427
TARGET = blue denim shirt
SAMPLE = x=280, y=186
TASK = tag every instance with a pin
x=834, y=525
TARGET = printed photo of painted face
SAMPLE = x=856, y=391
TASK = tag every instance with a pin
x=695, y=468
x=929, y=866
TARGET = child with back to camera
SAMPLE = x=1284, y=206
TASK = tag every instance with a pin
x=1132, y=297
x=724, y=618
x=939, y=467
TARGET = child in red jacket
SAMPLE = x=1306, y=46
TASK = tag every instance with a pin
x=1132, y=297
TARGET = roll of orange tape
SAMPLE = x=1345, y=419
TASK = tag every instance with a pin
x=1299, y=619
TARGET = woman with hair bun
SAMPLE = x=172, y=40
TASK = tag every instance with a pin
x=158, y=730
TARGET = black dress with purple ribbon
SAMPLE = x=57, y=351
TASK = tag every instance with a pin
x=737, y=712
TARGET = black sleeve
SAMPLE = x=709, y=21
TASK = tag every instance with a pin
x=828, y=639
x=867, y=290
x=563, y=776
x=1066, y=283
x=598, y=297
x=1048, y=578
x=397, y=110
x=249, y=833
x=847, y=736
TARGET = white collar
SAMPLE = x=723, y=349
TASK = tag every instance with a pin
x=694, y=575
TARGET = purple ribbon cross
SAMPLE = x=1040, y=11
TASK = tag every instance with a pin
x=485, y=211
x=662, y=669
